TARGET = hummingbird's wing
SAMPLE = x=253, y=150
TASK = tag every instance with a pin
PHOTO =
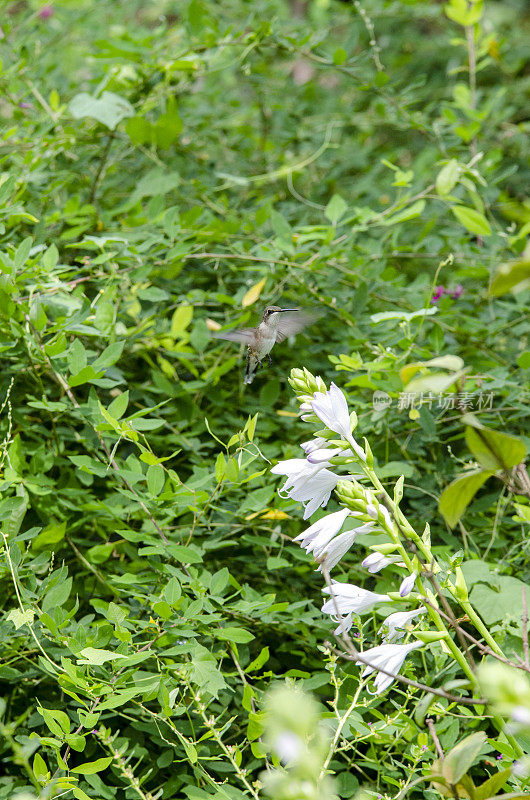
x=292, y=322
x=244, y=335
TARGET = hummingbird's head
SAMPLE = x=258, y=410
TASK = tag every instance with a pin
x=270, y=310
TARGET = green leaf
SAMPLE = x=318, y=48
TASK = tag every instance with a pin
x=20, y=618
x=118, y=407
x=490, y=787
x=494, y=450
x=436, y=382
x=407, y=213
x=460, y=759
x=182, y=316
x=239, y=635
x=172, y=591
x=447, y=177
x=109, y=356
x=472, y=220
x=155, y=479
x=50, y=536
x=259, y=661
x=57, y=595
x=91, y=767
x=96, y=657
x=513, y=275
x=456, y=497
x=109, y=109
x=335, y=209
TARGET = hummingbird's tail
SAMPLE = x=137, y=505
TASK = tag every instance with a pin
x=252, y=366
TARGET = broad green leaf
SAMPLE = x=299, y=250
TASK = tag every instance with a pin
x=253, y=293
x=109, y=109
x=172, y=591
x=118, y=407
x=182, y=316
x=472, y=220
x=456, y=497
x=335, y=209
x=155, y=479
x=495, y=450
x=91, y=767
x=436, y=382
x=239, y=635
x=513, y=275
x=460, y=759
x=20, y=618
x=403, y=316
x=50, y=536
x=57, y=595
x=447, y=177
x=97, y=657
x=109, y=356
x=490, y=787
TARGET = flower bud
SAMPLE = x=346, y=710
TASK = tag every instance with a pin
x=461, y=592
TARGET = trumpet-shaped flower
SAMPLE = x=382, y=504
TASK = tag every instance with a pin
x=394, y=624
x=375, y=562
x=331, y=553
x=310, y=484
x=332, y=408
x=313, y=444
x=388, y=657
x=407, y=584
x=319, y=533
x=349, y=599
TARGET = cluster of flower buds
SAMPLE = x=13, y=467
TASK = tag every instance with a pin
x=311, y=481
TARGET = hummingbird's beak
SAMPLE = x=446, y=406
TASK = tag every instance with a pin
x=289, y=309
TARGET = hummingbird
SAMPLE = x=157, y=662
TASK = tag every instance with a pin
x=277, y=324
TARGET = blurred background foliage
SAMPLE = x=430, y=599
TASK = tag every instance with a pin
x=170, y=167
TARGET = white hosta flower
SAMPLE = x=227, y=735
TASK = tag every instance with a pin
x=395, y=623
x=310, y=484
x=313, y=444
x=332, y=552
x=332, y=408
x=320, y=532
x=375, y=562
x=407, y=584
x=389, y=657
x=318, y=456
x=350, y=599
x=344, y=625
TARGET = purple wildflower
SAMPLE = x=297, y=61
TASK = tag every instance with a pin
x=23, y=104
x=45, y=12
x=457, y=291
x=437, y=294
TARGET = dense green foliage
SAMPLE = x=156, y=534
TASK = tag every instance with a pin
x=167, y=168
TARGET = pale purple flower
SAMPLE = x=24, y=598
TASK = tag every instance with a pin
x=24, y=104
x=332, y=552
x=310, y=484
x=319, y=533
x=288, y=746
x=45, y=12
x=439, y=291
x=318, y=456
x=350, y=599
x=457, y=291
x=375, y=562
x=395, y=623
x=407, y=584
x=332, y=408
x=389, y=657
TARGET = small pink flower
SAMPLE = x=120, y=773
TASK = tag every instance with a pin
x=439, y=291
x=45, y=12
x=23, y=104
x=457, y=291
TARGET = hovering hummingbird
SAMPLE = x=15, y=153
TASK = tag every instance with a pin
x=277, y=324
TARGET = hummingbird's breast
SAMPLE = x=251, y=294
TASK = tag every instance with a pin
x=265, y=339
